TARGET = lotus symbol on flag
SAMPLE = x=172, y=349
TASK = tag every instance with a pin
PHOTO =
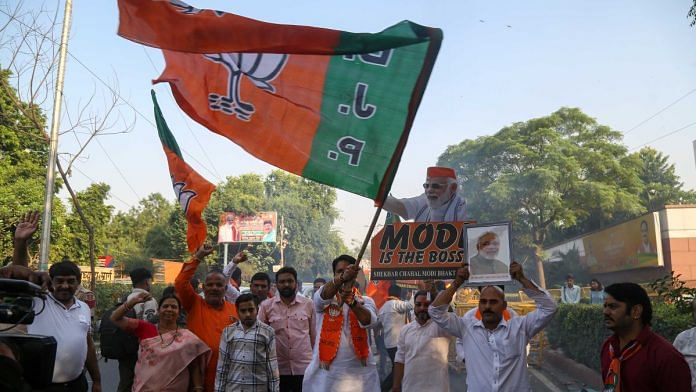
x=183, y=195
x=260, y=68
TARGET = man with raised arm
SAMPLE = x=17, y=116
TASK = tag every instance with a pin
x=342, y=361
x=438, y=203
x=208, y=316
x=495, y=348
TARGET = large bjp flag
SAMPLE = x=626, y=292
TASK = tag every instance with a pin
x=191, y=189
x=331, y=106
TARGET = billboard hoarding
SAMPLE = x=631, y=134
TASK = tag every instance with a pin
x=260, y=227
x=629, y=245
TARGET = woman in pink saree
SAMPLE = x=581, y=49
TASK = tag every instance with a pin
x=170, y=359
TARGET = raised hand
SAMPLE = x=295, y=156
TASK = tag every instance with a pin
x=139, y=298
x=19, y=272
x=462, y=275
x=203, y=251
x=240, y=257
x=516, y=271
x=350, y=273
x=27, y=226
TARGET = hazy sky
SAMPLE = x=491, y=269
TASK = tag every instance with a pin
x=501, y=62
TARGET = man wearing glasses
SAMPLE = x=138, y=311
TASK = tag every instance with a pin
x=439, y=203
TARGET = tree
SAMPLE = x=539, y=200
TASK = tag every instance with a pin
x=23, y=152
x=692, y=14
x=28, y=47
x=545, y=173
x=661, y=185
x=98, y=214
x=141, y=233
x=307, y=209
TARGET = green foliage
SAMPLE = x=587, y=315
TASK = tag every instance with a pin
x=308, y=212
x=579, y=329
x=661, y=185
x=545, y=173
x=23, y=155
x=672, y=290
x=98, y=213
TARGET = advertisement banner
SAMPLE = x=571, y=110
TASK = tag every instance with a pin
x=418, y=250
x=234, y=227
x=630, y=245
x=103, y=275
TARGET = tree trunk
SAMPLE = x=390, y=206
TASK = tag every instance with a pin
x=539, y=253
x=85, y=222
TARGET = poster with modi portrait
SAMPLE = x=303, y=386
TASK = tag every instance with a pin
x=489, y=252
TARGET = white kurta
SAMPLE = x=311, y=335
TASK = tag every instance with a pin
x=346, y=373
x=418, y=210
x=686, y=344
x=423, y=350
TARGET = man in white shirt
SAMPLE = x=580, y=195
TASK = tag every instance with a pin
x=60, y=314
x=495, y=348
x=439, y=203
x=393, y=315
x=67, y=319
x=141, y=278
x=570, y=293
x=421, y=359
x=342, y=360
x=685, y=342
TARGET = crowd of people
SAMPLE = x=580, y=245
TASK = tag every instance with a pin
x=224, y=340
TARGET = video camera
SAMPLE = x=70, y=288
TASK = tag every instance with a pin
x=37, y=354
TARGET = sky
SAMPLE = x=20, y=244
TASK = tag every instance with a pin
x=621, y=62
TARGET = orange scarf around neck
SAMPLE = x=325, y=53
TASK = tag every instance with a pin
x=330, y=337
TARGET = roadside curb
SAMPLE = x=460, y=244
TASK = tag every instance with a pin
x=557, y=362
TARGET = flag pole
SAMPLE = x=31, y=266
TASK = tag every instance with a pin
x=53, y=147
x=368, y=235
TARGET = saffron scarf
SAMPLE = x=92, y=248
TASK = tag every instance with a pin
x=330, y=338
x=506, y=315
x=612, y=382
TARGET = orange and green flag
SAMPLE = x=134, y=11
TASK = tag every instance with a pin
x=191, y=189
x=332, y=106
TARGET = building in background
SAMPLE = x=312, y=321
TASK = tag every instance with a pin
x=639, y=250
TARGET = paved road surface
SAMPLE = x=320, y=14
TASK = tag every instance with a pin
x=109, y=372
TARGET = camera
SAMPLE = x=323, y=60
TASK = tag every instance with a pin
x=36, y=354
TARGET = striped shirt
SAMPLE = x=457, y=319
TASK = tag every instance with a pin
x=247, y=361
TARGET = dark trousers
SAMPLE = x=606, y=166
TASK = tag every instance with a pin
x=126, y=372
x=77, y=385
x=291, y=383
x=389, y=381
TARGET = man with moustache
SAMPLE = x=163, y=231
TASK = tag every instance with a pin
x=292, y=317
x=60, y=314
x=208, y=316
x=495, y=349
x=342, y=360
x=635, y=358
x=247, y=359
x=439, y=203
x=421, y=358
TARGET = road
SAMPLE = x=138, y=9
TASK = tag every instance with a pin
x=540, y=382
